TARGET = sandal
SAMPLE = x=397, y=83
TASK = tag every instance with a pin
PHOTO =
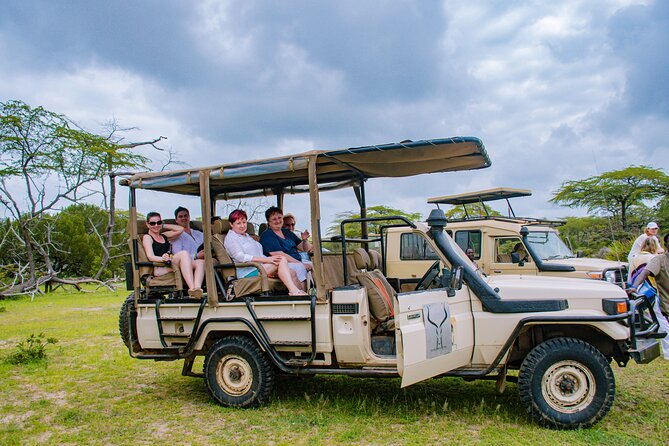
x=195, y=293
x=299, y=293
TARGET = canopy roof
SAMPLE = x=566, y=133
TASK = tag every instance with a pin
x=335, y=168
x=498, y=193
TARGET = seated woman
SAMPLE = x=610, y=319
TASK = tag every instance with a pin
x=279, y=241
x=158, y=249
x=242, y=248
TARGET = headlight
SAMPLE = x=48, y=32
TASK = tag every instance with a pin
x=597, y=275
x=610, y=276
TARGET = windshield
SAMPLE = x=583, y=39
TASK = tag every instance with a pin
x=548, y=245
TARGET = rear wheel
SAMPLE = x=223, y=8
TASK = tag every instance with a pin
x=124, y=322
x=566, y=383
x=237, y=372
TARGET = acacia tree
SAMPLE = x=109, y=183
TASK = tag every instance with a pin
x=45, y=161
x=614, y=193
x=472, y=210
x=354, y=230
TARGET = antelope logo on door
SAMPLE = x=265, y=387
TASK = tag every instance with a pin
x=438, y=329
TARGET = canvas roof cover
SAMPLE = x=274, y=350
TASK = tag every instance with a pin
x=499, y=193
x=335, y=168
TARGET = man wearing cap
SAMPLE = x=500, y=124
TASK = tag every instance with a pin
x=650, y=231
x=658, y=267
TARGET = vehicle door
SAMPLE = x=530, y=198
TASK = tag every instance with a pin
x=503, y=261
x=434, y=333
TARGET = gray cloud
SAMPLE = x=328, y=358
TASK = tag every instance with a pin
x=556, y=90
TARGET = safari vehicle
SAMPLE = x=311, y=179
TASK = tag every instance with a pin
x=520, y=245
x=560, y=334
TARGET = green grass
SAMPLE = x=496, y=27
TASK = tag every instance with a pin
x=89, y=391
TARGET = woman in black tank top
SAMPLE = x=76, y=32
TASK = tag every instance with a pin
x=158, y=249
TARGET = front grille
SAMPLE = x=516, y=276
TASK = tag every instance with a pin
x=344, y=308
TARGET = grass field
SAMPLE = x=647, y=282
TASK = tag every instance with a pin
x=90, y=391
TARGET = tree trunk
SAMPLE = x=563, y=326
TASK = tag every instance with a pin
x=109, y=230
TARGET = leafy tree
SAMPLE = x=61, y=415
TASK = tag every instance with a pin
x=614, y=193
x=354, y=230
x=45, y=161
x=78, y=230
x=472, y=210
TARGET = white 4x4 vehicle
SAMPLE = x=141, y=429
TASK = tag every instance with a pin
x=561, y=334
x=521, y=245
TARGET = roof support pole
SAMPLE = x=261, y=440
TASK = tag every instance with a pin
x=279, y=199
x=206, y=202
x=132, y=205
x=362, y=201
x=314, y=201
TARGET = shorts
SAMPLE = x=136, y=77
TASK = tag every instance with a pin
x=253, y=273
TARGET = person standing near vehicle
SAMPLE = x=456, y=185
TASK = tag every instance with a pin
x=650, y=231
x=658, y=267
x=190, y=239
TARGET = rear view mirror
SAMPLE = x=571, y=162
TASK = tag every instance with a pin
x=515, y=258
x=456, y=278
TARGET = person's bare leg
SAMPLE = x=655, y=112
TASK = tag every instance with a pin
x=296, y=281
x=287, y=279
x=198, y=276
x=183, y=262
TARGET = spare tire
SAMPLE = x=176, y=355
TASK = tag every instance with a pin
x=124, y=322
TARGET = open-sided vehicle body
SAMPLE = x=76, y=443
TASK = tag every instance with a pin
x=542, y=252
x=560, y=333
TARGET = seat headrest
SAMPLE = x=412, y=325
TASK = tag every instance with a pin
x=220, y=226
x=362, y=260
x=250, y=228
x=196, y=225
x=375, y=256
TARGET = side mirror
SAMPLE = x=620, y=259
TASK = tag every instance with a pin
x=455, y=282
x=579, y=254
x=515, y=258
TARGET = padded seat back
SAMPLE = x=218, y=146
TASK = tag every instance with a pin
x=503, y=258
x=379, y=291
x=171, y=279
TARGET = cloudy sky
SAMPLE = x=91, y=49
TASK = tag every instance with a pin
x=556, y=90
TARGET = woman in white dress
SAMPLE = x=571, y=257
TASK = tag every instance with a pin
x=242, y=248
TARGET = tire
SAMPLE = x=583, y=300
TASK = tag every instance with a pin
x=124, y=323
x=238, y=373
x=565, y=383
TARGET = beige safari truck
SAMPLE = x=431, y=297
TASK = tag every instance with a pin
x=521, y=245
x=559, y=334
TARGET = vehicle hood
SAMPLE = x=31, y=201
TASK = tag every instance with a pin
x=586, y=264
x=514, y=286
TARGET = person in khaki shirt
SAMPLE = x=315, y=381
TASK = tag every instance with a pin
x=658, y=267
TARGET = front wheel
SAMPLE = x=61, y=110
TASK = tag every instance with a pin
x=566, y=383
x=237, y=373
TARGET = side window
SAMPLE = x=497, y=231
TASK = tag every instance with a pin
x=415, y=247
x=469, y=239
x=505, y=246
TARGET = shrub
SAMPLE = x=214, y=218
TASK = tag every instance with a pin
x=33, y=349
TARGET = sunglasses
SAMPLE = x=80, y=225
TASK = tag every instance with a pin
x=153, y=223
x=289, y=224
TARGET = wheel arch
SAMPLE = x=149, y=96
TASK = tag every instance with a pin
x=534, y=334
